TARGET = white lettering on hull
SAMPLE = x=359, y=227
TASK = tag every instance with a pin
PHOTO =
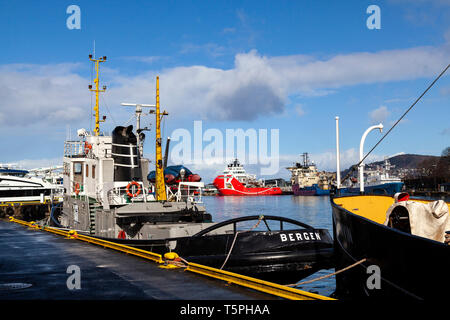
x=300, y=236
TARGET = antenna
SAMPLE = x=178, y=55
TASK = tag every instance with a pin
x=97, y=90
x=138, y=121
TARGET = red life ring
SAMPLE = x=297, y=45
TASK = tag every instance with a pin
x=77, y=188
x=132, y=195
x=87, y=147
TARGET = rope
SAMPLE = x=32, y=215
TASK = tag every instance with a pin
x=261, y=217
x=395, y=124
x=185, y=263
x=328, y=275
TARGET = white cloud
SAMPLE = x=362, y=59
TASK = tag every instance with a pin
x=33, y=93
x=379, y=115
x=299, y=110
x=255, y=86
x=38, y=163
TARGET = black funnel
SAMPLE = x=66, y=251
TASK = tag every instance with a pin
x=125, y=153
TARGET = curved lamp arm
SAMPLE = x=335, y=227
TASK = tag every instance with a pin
x=361, y=150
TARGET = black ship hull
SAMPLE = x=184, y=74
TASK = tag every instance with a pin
x=280, y=256
x=409, y=266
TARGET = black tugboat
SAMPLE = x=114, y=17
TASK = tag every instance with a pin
x=292, y=252
x=108, y=196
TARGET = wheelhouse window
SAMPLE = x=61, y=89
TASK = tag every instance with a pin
x=77, y=168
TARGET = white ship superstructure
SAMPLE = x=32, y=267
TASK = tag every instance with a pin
x=236, y=170
x=377, y=177
x=107, y=190
x=304, y=174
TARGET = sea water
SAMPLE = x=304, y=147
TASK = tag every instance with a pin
x=312, y=210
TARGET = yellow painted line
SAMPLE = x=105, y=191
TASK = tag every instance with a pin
x=256, y=284
x=238, y=279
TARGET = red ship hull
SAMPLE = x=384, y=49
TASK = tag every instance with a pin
x=230, y=186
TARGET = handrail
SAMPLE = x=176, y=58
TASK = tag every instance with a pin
x=247, y=218
x=256, y=284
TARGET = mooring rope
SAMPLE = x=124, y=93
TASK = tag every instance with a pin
x=261, y=217
x=328, y=275
x=182, y=263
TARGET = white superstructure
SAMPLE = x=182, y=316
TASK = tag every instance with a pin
x=236, y=170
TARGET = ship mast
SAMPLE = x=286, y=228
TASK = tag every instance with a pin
x=160, y=184
x=97, y=90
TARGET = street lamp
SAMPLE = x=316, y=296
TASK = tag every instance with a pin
x=361, y=148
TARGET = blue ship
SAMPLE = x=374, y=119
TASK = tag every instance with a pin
x=389, y=188
x=313, y=190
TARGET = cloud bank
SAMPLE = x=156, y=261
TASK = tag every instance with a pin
x=256, y=86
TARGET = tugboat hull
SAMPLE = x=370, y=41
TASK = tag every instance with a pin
x=410, y=266
x=284, y=255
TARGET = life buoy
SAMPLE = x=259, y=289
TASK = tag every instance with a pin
x=132, y=195
x=77, y=188
x=87, y=147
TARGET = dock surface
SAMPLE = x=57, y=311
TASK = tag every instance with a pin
x=34, y=265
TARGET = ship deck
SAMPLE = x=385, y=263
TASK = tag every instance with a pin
x=41, y=259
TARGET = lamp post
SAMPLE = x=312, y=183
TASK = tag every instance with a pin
x=361, y=148
x=338, y=166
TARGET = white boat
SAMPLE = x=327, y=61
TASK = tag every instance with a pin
x=376, y=182
x=17, y=187
x=306, y=180
x=51, y=174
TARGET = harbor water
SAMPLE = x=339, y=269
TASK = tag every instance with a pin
x=312, y=210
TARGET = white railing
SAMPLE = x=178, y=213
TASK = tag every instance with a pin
x=189, y=192
x=73, y=148
x=119, y=194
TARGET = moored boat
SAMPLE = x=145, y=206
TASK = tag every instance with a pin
x=376, y=183
x=25, y=196
x=409, y=265
x=236, y=182
x=306, y=180
x=389, y=246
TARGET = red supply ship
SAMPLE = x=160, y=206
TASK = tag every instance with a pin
x=236, y=182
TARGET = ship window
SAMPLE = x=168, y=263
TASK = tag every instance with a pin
x=93, y=171
x=77, y=168
x=87, y=170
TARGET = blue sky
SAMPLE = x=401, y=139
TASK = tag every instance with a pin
x=287, y=65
